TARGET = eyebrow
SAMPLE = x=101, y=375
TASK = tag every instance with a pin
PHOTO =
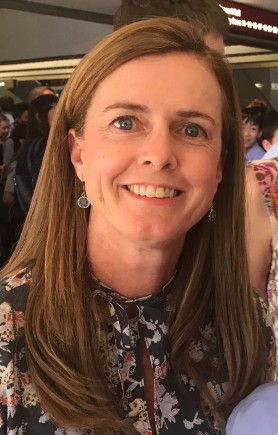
x=195, y=114
x=128, y=106
x=144, y=109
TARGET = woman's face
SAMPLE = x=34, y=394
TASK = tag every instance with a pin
x=150, y=153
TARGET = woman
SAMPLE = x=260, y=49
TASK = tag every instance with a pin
x=139, y=309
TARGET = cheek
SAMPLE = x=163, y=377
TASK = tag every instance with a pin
x=107, y=162
x=205, y=177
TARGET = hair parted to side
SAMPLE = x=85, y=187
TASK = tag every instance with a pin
x=207, y=13
x=61, y=325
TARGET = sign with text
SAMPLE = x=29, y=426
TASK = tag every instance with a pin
x=251, y=20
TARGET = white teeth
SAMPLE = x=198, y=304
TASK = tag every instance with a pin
x=160, y=192
x=152, y=192
x=142, y=191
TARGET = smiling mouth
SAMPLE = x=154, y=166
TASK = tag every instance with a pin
x=152, y=191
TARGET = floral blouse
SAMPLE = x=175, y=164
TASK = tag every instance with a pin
x=177, y=407
x=266, y=172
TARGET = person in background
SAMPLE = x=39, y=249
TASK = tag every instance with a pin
x=6, y=105
x=4, y=133
x=40, y=90
x=25, y=166
x=206, y=14
x=252, y=122
x=126, y=313
x=269, y=137
x=18, y=132
x=257, y=413
x=265, y=172
x=259, y=235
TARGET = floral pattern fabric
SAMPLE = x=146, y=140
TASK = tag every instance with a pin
x=266, y=172
x=177, y=408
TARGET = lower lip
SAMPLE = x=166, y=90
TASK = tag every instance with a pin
x=153, y=201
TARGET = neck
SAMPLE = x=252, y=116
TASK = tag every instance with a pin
x=133, y=270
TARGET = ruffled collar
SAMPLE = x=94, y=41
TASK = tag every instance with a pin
x=110, y=294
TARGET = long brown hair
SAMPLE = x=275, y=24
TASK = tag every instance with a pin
x=61, y=329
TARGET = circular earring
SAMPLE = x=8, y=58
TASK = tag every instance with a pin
x=83, y=201
x=212, y=214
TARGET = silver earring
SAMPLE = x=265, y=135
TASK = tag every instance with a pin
x=83, y=201
x=212, y=214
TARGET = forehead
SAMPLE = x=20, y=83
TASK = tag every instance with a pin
x=250, y=122
x=169, y=79
x=4, y=124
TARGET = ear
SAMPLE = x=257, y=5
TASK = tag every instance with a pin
x=219, y=172
x=260, y=133
x=219, y=169
x=75, y=145
x=266, y=145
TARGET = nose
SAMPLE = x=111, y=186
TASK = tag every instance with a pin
x=159, y=150
x=246, y=131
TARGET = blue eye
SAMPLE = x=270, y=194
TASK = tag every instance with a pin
x=193, y=130
x=123, y=123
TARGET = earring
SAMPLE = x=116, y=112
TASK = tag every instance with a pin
x=83, y=201
x=212, y=214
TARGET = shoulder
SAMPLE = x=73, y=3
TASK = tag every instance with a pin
x=8, y=142
x=265, y=171
x=14, y=289
x=256, y=414
x=15, y=280
x=256, y=152
x=16, y=388
x=13, y=297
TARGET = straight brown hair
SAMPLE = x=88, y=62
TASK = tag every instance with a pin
x=61, y=327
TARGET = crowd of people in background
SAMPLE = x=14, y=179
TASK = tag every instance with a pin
x=24, y=129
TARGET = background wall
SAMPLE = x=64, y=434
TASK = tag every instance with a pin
x=47, y=36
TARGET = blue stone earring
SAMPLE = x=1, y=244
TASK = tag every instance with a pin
x=212, y=214
x=83, y=201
